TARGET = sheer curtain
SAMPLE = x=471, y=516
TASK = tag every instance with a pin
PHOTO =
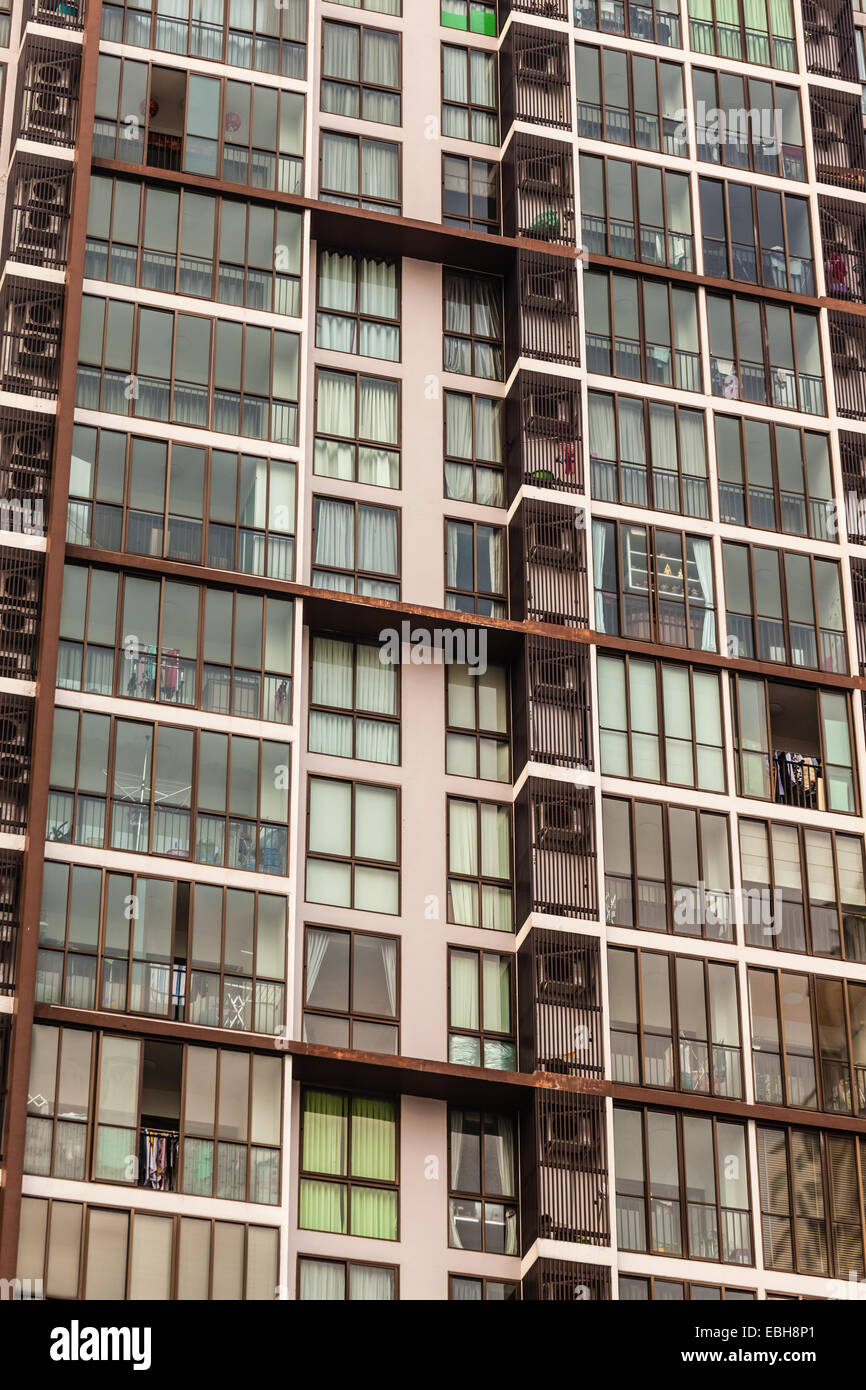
x=663, y=437
x=335, y=414
x=339, y=164
x=704, y=565
x=602, y=447
x=368, y=1284
x=322, y=1282
x=599, y=547
x=335, y=539
x=378, y=410
x=694, y=463
x=376, y=683
x=337, y=290
x=377, y=540
x=458, y=425
x=380, y=170
x=464, y=991
x=381, y=64
x=341, y=53
x=488, y=429
x=379, y=299
x=632, y=448
x=463, y=859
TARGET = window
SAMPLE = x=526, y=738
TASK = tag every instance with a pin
x=252, y=37
x=470, y=109
x=360, y=172
x=793, y=744
x=354, y=701
x=655, y=21
x=166, y=1117
x=358, y=306
x=463, y=1289
x=394, y=7
x=805, y=889
x=474, y=449
x=660, y=723
x=475, y=15
x=667, y=868
x=353, y=1138
x=654, y=585
x=808, y=1041
x=182, y=644
x=775, y=477
x=351, y=990
x=632, y=1288
x=731, y=216
x=481, y=1009
x=482, y=1152
x=750, y=124
x=748, y=35
x=682, y=1186
x=230, y=377
x=470, y=193
x=767, y=353
x=357, y=428
x=190, y=243
x=146, y=496
x=334, y=1281
x=480, y=891
x=476, y=739
x=5, y=21
x=784, y=607
x=154, y=789
x=643, y=329
x=648, y=454
x=259, y=142
x=353, y=848
x=475, y=568
x=628, y=99
x=811, y=1209
x=361, y=72
x=142, y=1255
x=473, y=344
x=636, y=211
x=675, y=1023
x=359, y=544
x=128, y=942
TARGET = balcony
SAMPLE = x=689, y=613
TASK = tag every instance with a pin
x=47, y=98
x=20, y=594
x=541, y=308
x=559, y=986
x=837, y=130
x=10, y=888
x=556, y=861
x=565, y=1281
x=16, y=715
x=30, y=329
x=538, y=190
x=551, y=704
x=848, y=354
x=64, y=14
x=26, y=443
x=852, y=448
x=534, y=77
x=564, y=1169
x=543, y=9
x=858, y=589
x=543, y=433
x=843, y=241
x=37, y=214
x=830, y=42
x=547, y=555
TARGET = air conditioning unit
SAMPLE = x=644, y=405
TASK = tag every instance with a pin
x=51, y=88
x=564, y=977
x=25, y=460
x=41, y=225
x=557, y=825
x=548, y=413
x=566, y=1143
x=550, y=540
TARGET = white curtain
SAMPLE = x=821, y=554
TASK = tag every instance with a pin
x=331, y=682
x=376, y=683
x=380, y=170
x=378, y=410
x=455, y=86
x=381, y=61
x=377, y=540
x=488, y=308
x=369, y=1284
x=340, y=164
x=458, y=302
x=322, y=1282
x=337, y=288
x=458, y=425
x=599, y=546
x=483, y=78
x=379, y=288
x=704, y=565
x=317, y=949
x=488, y=429
x=335, y=534
x=335, y=410
x=341, y=52
x=632, y=445
x=465, y=1011
x=463, y=837
x=495, y=841
x=334, y=458
x=389, y=973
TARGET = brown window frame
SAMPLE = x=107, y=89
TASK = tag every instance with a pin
x=357, y=439
x=651, y=500
x=480, y=879
x=653, y=627
x=758, y=249
x=746, y=556
x=357, y=315
x=347, y=1262
x=827, y=506
x=669, y=142
x=191, y=47
x=470, y=107
x=494, y=345
x=483, y=1197
x=482, y=1034
x=482, y=601
x=685, y=366
x=676, y=1038
x=361, y=84
x=782, y=169
x=354, y=713
x=476, y=730
x=779, y=941
x=474, y=463
x=719, y=386
x=470, y=223
x=356, y=574
x=348, y=1180
x=720, y=50
x=588, y=11
x=683, y=261
x=653, y=1281
x=822, y=1143
x=352, y=859
x=382, y=204
x=353, y=1015
x=484, y=1281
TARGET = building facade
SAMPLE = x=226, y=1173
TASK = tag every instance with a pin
x=433, y=636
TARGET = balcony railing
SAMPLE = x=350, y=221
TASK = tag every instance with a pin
x=559, y=986
x=16, y=717
x=64, y=14
x=858, y=588
x=544, y=445
x=547, y=555
x=10, y=886
x=564, y=1281
x=555, y=832
x=37, y=224
x=538, y=190
x=47, y=99
x=534, y=77
x=798, y=780
x=848, y=353
x=541, y=306
x=555, y=698
x=564, y=1167
x=837, y=130
x=31, y=321
x=26, y=444
x=843, y=242
x=20, y=586
x=830, y=39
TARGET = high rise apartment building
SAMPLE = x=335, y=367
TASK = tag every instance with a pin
x=432, y=637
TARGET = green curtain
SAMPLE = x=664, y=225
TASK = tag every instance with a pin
x=323, y=1206
x=374, y=1131
x=325, y=1132
x=374, y=1213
